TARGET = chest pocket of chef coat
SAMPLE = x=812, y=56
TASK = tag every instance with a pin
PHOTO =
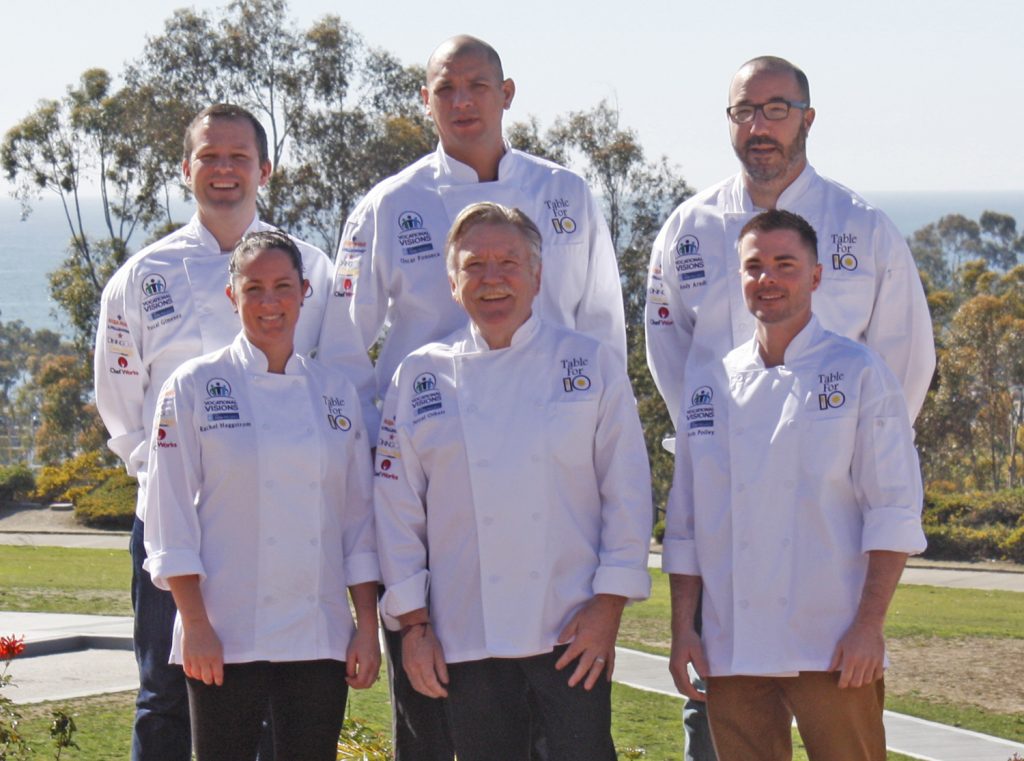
x=844, y=301
x=827, y=440
x=571, y=427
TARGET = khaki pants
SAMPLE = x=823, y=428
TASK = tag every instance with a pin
x=750, y=717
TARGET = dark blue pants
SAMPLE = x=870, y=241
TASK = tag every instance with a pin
x=161, y=731
x=489, y=705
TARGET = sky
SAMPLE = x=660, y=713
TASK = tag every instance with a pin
x=911, y=95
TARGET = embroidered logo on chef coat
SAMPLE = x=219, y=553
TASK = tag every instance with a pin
x=345, y=279
x=387, y=450
x=700, y=415
x=166, y=422
x=831, y=395
x=560, y=219
x=157, y=302
x=575, y=378
x=122, y=366
x=219, y=405
x=688, y=261
x=427, y=398
x=842, y=247
x=415, y=241
x=335, y=406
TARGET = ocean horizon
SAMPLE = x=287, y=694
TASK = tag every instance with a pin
x=32, y=248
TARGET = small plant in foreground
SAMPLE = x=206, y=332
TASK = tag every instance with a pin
x=12, y=744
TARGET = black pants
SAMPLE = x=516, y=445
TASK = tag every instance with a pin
x=489, y=707
x=307, y=707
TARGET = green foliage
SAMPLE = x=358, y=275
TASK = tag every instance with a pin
x=974, y=525
x=659, y=530
x=111, y=504
x=73, y=478
x=16, y=482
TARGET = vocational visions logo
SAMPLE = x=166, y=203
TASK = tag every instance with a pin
x=219, y=405
x=428, y=398
x=689, y=262
x=410, y=220
x=701, y=412
x=575, y=379
x=157, y=302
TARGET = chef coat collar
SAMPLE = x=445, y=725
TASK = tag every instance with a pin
x=255, y=361
x=523, y=333
x=787, y=198
x=802, y=341
x=207, y=239
x=458, y=173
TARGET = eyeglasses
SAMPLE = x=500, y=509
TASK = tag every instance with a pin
x=773, y=110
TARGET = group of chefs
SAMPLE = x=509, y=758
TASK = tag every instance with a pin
x=484, y=486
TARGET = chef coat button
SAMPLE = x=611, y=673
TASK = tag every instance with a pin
x=494, y=578
x=790, y=423
x=266, y=426
x=312, y=485
x=314, y=542
x=310, y=598
x=788, y=483
x=535, y=458
x=783, y=601
x=309, y=430
x=471, y=409
x=269, y=484
x=879, y=423
x=359, y=435
x=740, y=487
x=483, y=463
x=488, y=521
x=739, y=431
x=271, y=541
x=268, y=600
x=536, y=516
x=534, y=575
x=744, y=545
x=744, y=604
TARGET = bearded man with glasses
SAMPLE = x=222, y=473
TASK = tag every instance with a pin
x=870, y=290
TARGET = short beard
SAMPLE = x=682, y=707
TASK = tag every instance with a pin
x=792, y=155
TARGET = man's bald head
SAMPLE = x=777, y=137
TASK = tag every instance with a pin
x=458, y=46
x=770, y=64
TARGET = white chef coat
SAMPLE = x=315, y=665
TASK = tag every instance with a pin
x=165, y=305
x=870, y=290
x=390, y=268
x=785, y=478
x=260, y=484
x=513, y=485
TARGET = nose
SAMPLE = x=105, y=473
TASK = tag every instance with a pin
x=462, y=97
x=491, y=272
x=760, y=123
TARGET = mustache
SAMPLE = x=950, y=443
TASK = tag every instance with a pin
x=759, y=140
x=493, y=291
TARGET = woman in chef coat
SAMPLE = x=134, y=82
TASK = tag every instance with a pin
x=259, y=516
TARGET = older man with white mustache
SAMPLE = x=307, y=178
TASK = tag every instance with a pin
x=513, y=508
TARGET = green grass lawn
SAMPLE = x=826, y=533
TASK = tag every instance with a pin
x=97, y=581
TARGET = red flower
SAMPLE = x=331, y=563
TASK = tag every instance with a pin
x=11, y=647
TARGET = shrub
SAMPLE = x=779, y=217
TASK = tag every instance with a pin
x=16, y=482
x=1013, y=545
x=659, y=531
x=73, y=478
x=111, y=504
x=964, y=542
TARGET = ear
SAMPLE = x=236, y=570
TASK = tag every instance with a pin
x=230, y=293
x=305, y=290
x=186, y=172
x=808, y=119
x=425, y=97
x=455, y=289
x=508, y=88
x=265, y=169
x=816, y=277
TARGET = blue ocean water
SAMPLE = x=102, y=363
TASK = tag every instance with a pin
x=32, y=248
